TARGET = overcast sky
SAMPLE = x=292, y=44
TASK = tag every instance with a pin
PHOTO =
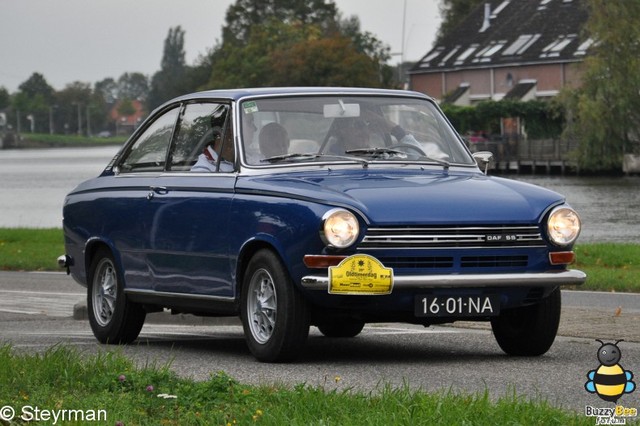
x=89, y=40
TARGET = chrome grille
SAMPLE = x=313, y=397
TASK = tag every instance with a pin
x=452, y=237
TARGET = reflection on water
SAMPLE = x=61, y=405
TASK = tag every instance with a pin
x=608, y=206
x=35, y=182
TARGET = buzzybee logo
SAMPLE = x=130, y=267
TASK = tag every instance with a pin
x=609, y=381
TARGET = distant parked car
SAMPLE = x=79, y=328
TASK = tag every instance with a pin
x=330, y=207
x=104, y=134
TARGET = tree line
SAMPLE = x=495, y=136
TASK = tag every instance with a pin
x=264, y=43
x=309, y=43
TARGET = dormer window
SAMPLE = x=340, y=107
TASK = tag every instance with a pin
x=464, y=55
x=485, y=54
x=584, y=46
x=519, y=46
x=557, y=46
x=498, y=9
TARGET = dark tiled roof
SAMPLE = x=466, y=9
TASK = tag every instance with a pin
x=456, y=94
x=519, y=32
x=520, y=90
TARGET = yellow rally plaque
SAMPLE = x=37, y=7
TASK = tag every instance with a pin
x=360, y=274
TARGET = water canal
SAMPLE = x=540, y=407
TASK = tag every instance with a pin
x=35, y=182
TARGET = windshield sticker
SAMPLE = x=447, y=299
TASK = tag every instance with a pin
x=250, y=107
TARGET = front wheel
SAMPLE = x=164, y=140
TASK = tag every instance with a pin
x=529, y=330
x=275, y=316
x=112, y=317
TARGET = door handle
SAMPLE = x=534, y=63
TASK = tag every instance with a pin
x=160, y=190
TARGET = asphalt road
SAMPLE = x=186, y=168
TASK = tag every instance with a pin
x=36, y=312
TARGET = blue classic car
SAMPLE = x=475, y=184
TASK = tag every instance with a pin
x=331, y=207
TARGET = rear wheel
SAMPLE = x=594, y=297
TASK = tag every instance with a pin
x=275, y=316
x=112, y=317
x=341, y=328
x=530, y=330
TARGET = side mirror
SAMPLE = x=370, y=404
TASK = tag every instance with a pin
x=483, y=158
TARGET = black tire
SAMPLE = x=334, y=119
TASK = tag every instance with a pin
x=530, y=330
x=275, y=316
x=341, y=329
x=113, y=318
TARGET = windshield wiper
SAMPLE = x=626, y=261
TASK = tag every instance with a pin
x=312, y=156
x=404, y=155
x=376, y=151
x=276, y=158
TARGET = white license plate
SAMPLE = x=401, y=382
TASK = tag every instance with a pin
x=457, y=306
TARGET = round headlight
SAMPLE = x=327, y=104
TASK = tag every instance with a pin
x=563, y=226
x=340, y=228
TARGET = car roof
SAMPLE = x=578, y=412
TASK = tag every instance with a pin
x=237, y=94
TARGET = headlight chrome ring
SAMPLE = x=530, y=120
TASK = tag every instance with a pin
x=340, y=228
x=563, y=226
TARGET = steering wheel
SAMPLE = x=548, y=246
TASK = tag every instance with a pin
x=410, y=147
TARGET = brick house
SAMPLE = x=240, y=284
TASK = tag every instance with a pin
x=126, y=124
x=514, y=49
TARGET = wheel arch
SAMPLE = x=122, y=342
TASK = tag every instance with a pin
x=92, y=246
x=248, y=250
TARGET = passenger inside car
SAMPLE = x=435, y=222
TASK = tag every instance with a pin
x=273, y=140
x=208, y=160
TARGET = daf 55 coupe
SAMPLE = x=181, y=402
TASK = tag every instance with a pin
x=326, y=207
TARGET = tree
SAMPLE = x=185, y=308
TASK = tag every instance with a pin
x=32, y=102
x=453, y=12
x=324, y=62
x=245, y=15
x=605, y=111
x=73, y=103
x=107, y=89
x=133, y=85
x=36, y=85
x=268, y=44
x=5, y=98
x=168, y=82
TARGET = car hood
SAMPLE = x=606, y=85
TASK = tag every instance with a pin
x=413, y=197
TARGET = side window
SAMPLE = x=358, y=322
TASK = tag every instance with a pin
x=149, y=151
x=199, y=134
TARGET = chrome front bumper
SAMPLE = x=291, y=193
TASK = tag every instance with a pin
x=544, y=279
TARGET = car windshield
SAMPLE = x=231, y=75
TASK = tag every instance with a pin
x=360, y=129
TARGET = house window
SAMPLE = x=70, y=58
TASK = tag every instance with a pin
x=460, y=59
x=498, y=9
x=431, y=56
x=519, y=46
x=582, y=49
x=543, y=4
x=484, y=55
x=557, y=46
x=449, y=55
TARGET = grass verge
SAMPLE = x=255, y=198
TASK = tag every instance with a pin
x=63, y=381
x=609, y=266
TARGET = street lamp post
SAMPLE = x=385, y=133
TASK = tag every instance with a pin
x=78, y=104
x=51, y=108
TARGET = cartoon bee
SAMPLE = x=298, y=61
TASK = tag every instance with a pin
x=610, y=380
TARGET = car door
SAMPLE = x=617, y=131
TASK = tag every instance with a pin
x=127, y=212
x=188, y=233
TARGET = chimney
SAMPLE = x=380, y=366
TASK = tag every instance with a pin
x=487, y=17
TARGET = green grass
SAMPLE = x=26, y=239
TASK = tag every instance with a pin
x=30, y=249
x=63, y=378
x=609, y=266
x=71, y=140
